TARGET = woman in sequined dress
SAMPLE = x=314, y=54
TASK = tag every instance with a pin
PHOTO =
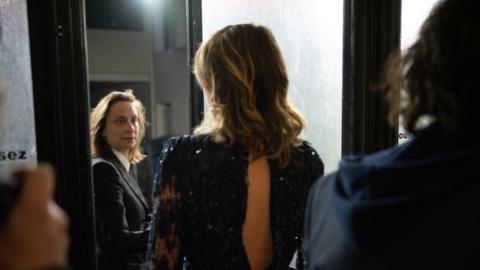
x=232, y=196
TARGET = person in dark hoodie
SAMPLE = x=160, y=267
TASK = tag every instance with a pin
x=412, y=206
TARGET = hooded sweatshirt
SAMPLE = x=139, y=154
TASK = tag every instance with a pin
x=398, y=205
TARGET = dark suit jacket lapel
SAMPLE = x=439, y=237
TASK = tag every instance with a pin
x=129, y=180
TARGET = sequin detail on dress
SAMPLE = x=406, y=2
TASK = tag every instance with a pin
x=200, y=203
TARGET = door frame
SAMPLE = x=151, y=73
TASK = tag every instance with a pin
x=61, y=101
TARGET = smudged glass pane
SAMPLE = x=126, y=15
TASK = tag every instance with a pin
x=17, y=124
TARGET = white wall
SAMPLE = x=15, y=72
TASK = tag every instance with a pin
x=172, y=86
x=121, y=55
x=127, y=53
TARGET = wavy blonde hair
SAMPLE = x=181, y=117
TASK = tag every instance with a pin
x=243, y=74
x=98, y=118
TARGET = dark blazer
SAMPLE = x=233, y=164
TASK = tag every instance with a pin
x=121, y=216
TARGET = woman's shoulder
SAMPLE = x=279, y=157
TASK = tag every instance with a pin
x=186, y=143
x=99, y=162
x=185, y=147
x=103, y=167
x=305, y=147
x=307, y=154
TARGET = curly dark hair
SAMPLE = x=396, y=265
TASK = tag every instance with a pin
x=439, y=75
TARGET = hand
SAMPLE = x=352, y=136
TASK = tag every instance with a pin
x=36, y=233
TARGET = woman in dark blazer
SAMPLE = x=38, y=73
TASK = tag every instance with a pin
x=117, y=127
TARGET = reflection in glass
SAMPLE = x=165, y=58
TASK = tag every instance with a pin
x=141, y=45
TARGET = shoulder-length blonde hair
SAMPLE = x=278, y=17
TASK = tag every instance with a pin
x=243, y=74
x=98, y=118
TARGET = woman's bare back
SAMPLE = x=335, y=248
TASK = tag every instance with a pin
x=257, y=233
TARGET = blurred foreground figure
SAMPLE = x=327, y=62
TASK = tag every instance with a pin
x=35, y=234
x=412, y=206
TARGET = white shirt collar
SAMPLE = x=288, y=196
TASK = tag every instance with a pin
x=122, y=159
